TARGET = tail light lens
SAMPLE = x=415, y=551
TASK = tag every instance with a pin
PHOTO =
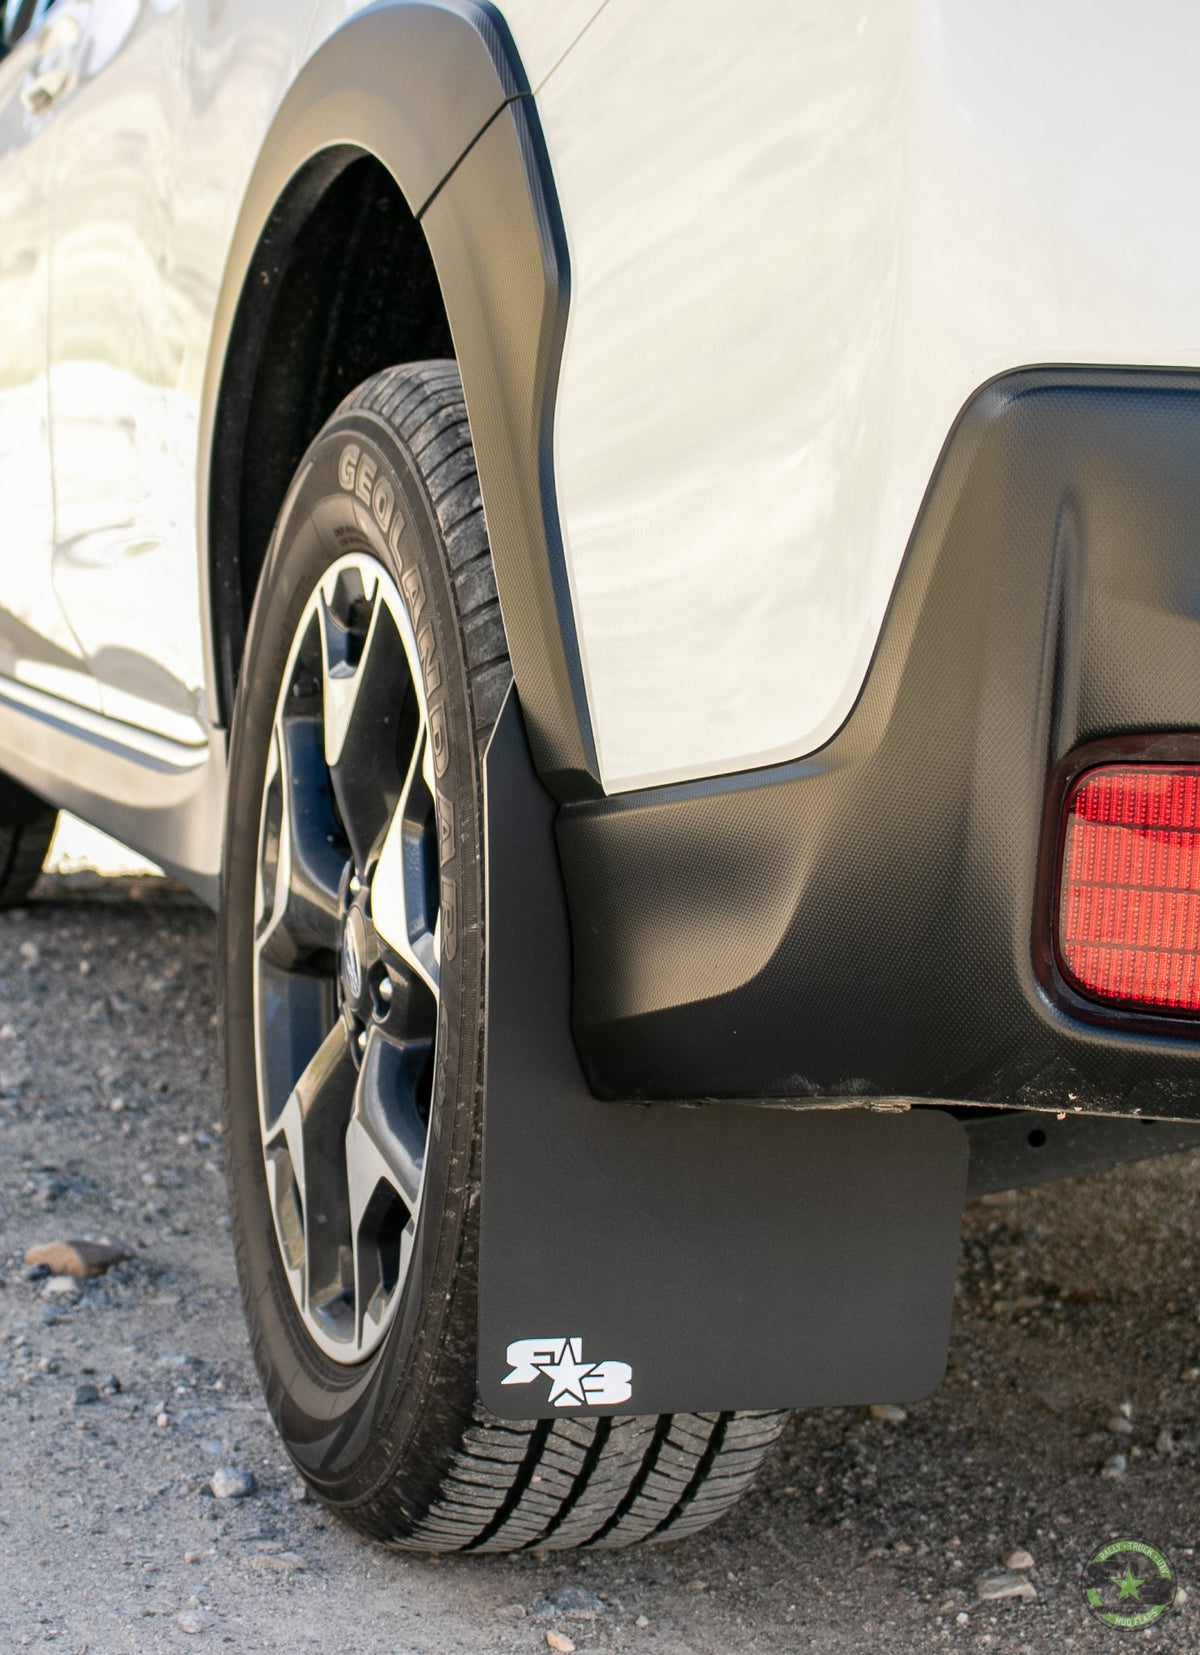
x=1129, y=888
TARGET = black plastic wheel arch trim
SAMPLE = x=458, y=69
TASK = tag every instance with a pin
x=435, y=91
x=861, y=922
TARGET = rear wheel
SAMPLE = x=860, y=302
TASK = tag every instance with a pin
x=353, y=962
x=26, y=828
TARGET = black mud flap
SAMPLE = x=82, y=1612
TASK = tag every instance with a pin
x=673, y=1257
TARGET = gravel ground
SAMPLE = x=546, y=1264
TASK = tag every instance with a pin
x=1078, y=1308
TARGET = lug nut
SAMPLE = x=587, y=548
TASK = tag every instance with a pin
x=386, y=991
x=355, y=884
x=362, y=1041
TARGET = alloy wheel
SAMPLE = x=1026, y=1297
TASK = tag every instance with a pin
x=347, y=947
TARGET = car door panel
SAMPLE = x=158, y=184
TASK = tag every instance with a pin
x=37, y=646
x=152, y=147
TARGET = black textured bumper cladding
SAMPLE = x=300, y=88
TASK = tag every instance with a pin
x=869, y=921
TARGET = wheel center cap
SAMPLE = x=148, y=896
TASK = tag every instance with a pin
x=354, y=948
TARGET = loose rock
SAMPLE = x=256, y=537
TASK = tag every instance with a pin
x=888, y=1411
x=83, y=1395
x=191, y=1621
x=1017, y=1559
x=1115, y=1468
x=61, y=1286
x=991, y=1588
x=80, y=1259
x=229, y=1482
x=574, y=1601
x=561, y=1643
x=290, y=1563
x=1120, y=1424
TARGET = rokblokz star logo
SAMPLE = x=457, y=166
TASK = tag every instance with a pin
x=574, y=1383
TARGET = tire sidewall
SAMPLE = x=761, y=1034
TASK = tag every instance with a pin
x=350, y=1428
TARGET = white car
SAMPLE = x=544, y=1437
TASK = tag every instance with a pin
x=828, y=378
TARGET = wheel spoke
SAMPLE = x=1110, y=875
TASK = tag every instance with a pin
x=301, y=863
x=385, y=1166
x=404, y=898
x=385, y=1106
x=368, y=701
x=310, y=1131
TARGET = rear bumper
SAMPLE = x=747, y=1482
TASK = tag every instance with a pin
x=864, y=922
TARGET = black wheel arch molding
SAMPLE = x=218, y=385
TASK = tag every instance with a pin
x=434, y=91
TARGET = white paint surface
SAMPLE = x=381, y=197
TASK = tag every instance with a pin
x=802, y=235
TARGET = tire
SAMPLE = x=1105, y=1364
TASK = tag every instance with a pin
x=27, y=826
x=360, y=1296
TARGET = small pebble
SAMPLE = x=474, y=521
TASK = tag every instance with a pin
x=300, y=1492
x=109, y=1384
x=888, y=1411
x=80, y=1259
x=191, y=1557
x=1120, y=1424
x=1165, y=1442
x=281, y=1562
x=65, y=1287
x=642, y=1620
x=191, y=1621
x=1114, y=1468
x=83, y=1395
x=48, y=1364
x=562, y=1644
x=962, y=1618
x=162, y=1420
x=1017, y=1559
x=991, y=1588
x=229, y=1482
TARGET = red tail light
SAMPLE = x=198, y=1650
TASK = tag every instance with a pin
x=1129, y=890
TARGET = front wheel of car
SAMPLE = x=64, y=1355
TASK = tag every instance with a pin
x=353, y=963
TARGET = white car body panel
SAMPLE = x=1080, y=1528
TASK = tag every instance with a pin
x=152, y=149
x=543, y=31
x=39, y=647
x=801, y=236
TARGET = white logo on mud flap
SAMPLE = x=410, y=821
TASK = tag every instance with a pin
x=574, y=1383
